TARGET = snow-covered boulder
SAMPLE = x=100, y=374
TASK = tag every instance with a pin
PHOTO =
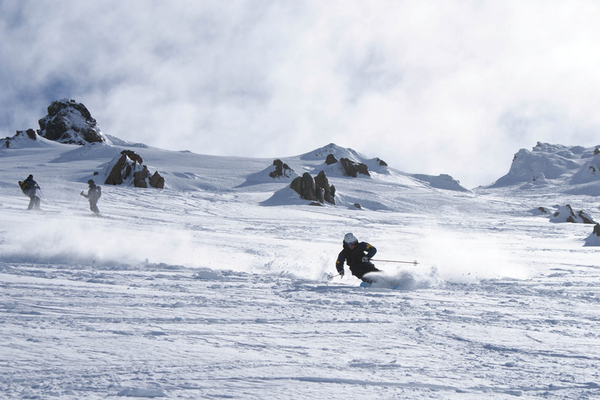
x=566, y=214
x=589, y=172
x=70, y=122
x=594, y=238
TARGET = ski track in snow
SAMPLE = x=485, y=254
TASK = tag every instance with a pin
x=207, y=294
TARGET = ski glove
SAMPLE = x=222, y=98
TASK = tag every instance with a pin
x=366, y=259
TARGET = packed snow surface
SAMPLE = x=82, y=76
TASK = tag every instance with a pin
x=221, y=285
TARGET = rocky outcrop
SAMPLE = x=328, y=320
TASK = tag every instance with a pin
x=324, y=191
x=305, y=186
x=353, y=168
x=281, y=170
x=317, y=189
x=157, y=181
x=129, y=169
x=70, y=122
x=330, y=159
x=566, y=214
x=139, y=177
x=20, y=135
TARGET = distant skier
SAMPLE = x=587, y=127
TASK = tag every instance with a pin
x=29, y=188
x=93, y=195
x=358, y=257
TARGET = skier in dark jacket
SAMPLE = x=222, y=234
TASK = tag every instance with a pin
x=93, y=195
x=358, y=257
x=29, y=187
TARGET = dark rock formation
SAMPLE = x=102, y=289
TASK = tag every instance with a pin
x=596, y=230
x=157, y=181
x=584, y=217
x=133, y=156
x=31, y=134
x=70, y=122
x=129, y=166
x=330, y=159
x=139, y=177
x=305, y=186
x=323, y=190
x=314, y=189
x=381, y=162
x=352, y=169
x=120, y=171
x=281, y=170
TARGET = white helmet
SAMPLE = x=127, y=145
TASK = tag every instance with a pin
x=350, y=239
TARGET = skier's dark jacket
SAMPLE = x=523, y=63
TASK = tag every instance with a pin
x=94, y=192
x=29, y=186
x=354, y=256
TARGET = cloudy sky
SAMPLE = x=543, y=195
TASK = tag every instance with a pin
x=453, y=87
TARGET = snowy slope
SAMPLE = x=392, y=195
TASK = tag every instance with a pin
x=215, y=287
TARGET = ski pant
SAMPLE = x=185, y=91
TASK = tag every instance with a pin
x=34, y=202
x=94, y=207
x=359, y=270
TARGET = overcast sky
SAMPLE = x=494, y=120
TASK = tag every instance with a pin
x=454, y=87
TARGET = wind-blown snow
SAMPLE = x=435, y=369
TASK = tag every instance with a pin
x=220, y=286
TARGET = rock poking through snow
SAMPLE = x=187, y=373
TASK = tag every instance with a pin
x=281, y=170
x=594, y=238
x=314, y=189
x=566, y=214
x=128, y=169
x=70, y=122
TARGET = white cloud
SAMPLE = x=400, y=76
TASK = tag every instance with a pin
x=430, y=87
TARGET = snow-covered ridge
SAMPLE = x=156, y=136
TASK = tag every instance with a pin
x=555, y=165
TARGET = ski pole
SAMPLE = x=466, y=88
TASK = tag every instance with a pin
x=399, y=262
